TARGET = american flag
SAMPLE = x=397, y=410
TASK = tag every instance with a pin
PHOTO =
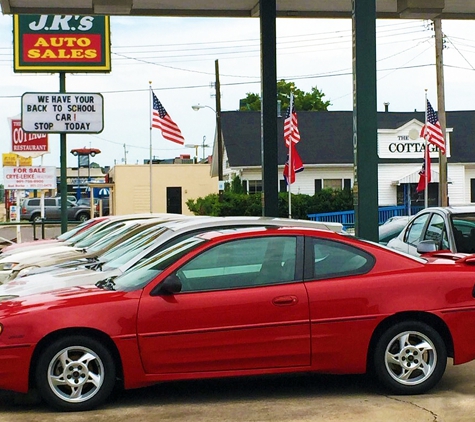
x=295, y=166
x=432, y=130
x=162, y=120
x=291, y=128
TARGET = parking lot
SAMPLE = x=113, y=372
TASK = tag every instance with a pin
x=296, y=398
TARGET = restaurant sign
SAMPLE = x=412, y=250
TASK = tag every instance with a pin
x=54, y=43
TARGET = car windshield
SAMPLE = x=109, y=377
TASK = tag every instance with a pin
x=70, y=233
x=105, y=241
x=87, y=232
x=121, y=254
x=97, y=235
x=138, y=276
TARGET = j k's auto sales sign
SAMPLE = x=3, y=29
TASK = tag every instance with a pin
x=61, y=43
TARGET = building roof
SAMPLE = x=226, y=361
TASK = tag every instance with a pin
x=326, y=136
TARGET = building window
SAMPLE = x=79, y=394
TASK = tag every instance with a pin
x=282, y=186
x=255, y=186
x=318, y=185
x=331, y=183
x=347, y=184
x=472, y=190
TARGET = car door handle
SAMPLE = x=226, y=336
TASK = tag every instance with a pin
x=285, y=300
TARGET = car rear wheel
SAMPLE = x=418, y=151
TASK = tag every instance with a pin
x=75, y=373
x=410, y=358
x=36, y=218
x=83, y=217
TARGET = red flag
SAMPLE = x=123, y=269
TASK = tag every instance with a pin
x=432, y=130
x=295, y=166
x=425, y=172
x=162, y=120
x=291, y=127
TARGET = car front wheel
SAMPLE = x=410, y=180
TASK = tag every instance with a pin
x=75, y=373
x=410, y=358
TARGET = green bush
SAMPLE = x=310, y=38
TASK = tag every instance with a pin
x=234, y=202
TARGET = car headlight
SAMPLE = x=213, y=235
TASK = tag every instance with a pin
x=7, y=297
x=8, y=266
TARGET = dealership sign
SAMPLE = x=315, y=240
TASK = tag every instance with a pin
x=62, y=112
x=23, y=142
x=29, y=177
x=55, y=43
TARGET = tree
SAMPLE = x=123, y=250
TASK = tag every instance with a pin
x=304, y=101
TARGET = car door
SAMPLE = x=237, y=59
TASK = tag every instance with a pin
x=412, y=236
x=243, y=306
x=342, y=318
x=52, y=210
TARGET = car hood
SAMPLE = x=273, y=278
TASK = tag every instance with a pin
x=35, y=253
x=40, y=283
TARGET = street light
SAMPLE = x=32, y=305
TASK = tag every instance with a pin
x=196, y=146
x=199, y=107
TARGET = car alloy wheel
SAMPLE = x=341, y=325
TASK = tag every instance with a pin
x=75, y=373
x=410, y=358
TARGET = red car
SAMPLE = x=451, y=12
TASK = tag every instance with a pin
x=244, y=302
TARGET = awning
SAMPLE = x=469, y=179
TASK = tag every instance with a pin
x=414, y=176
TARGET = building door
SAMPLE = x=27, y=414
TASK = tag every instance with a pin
x=174, y=200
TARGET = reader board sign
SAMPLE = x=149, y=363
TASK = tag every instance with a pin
x=62, y=112
x=23, y=142
x=61, y=43
x=10, y=159
x=29, y=177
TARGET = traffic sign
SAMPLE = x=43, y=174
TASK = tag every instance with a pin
x=62, y=112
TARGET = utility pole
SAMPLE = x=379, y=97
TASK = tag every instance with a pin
x=218, y=130
x=439, y=64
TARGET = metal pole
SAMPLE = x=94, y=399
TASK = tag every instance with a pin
x=426, y=187
x=150, y=152
x=63, y=164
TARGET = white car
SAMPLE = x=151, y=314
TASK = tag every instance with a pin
x=23, y=262
x=139, y=247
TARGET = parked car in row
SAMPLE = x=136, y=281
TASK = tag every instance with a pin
x=241, y=302
x=84, y=268
x=438, y=229
x=31, y=210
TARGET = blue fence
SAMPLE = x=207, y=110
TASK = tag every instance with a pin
x=347, y=218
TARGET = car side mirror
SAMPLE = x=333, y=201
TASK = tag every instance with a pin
x=169, y=286
x=427, y=246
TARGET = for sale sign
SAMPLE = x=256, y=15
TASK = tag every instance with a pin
x=29, y=177
x=54, y=43
x=23, y=142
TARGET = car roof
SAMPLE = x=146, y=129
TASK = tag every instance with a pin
x=460, y=209
x=208, y=221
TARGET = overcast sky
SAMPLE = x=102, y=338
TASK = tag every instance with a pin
x=178, y=56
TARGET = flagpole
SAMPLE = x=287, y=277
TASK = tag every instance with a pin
x=150, y=152
x=291, y=108
x=426, y=153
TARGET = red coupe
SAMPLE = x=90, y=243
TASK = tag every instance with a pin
x=244, y=302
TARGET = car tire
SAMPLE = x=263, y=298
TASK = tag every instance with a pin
x=36, y=218
x=410, y=358
x=75, y=373
x=82, y=217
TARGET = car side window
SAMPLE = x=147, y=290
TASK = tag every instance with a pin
x=413, y=234
x=33, y=202
x=241, y=263
x=329, y=259
x=437, y=232
x=50, y=202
